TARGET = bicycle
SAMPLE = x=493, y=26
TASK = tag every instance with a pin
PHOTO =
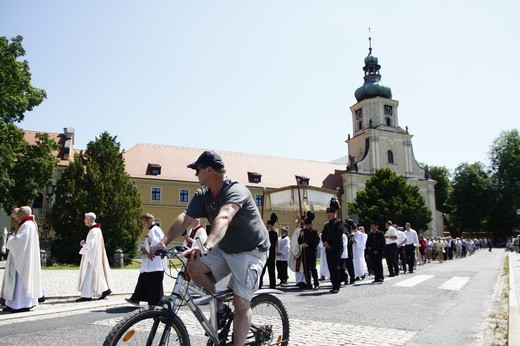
x=161, y=324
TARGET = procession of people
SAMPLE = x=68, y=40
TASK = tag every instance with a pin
x=346, y=252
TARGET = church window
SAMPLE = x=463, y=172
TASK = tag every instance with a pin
x=388, y=122
x=390, y=156
x=360, y=126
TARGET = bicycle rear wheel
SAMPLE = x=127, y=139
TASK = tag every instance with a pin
x=152, y=325
x=270, y=324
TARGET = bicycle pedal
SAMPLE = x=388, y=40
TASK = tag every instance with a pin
x=222, y=316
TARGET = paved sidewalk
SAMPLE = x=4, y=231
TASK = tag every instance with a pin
x=59, y=284
x=514, y=299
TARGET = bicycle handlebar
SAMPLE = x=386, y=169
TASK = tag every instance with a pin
x=174, y=251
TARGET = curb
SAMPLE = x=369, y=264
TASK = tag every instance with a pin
x=514, y=313
x=62, y=307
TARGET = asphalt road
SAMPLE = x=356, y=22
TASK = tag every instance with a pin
x=440, y=304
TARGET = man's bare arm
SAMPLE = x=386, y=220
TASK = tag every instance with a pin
x=221, y=223
x=180, y=223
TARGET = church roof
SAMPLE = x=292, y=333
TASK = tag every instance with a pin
x=276, y=172
x=371, y=88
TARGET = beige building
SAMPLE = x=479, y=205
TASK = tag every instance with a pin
x=166, y=185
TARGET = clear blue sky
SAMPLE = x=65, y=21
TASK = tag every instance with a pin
x=271, y=77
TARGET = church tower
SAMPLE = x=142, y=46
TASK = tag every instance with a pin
x=379, y=142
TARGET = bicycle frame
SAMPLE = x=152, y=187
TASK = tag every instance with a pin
x=181, y=295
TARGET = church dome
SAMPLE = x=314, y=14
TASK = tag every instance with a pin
x=371, y=88
x=370, y=59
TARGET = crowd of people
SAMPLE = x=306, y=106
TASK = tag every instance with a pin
x=348, y=253
x=22, y=288
x=513, y=244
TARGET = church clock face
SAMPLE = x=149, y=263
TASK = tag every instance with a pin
x=389, y=110
x=359, y=113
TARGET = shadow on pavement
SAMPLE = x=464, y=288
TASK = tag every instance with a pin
x=118, y=309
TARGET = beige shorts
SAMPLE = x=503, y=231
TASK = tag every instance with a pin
x=245, y=269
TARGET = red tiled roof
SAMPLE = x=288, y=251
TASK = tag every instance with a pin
x=30, y=137
x=276, y=172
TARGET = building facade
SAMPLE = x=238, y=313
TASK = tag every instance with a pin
x=379, y=142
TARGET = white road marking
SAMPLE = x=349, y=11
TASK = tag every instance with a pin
x=417, y=279
x=455, y=283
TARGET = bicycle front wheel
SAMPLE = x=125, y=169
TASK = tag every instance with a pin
x=152, y=325
x=270, y=324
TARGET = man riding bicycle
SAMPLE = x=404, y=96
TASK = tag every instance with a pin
x=237, y=243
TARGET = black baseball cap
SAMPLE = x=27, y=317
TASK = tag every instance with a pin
x=208, y=158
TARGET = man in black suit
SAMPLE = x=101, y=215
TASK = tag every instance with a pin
x=375, y=246
x=332, y=237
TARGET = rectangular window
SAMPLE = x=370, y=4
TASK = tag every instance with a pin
x=259, y=200
x=156, y=193
x=183, y=195
x=153, y=169
x=254, y=177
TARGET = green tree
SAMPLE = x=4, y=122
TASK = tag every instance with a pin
x=17, y=95
x=505, y=177
x=470, y=198
x=24, y=169
x=388, y=196
x=96, y=181
x=442, y=188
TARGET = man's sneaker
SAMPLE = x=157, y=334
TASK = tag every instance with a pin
x=222, y=316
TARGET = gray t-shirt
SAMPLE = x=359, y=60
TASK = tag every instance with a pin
x=246, y=230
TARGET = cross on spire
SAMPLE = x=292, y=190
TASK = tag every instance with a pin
x=369, y=41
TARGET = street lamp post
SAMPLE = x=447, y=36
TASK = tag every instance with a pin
x=49, y=191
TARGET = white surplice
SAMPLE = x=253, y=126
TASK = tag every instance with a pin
x=358, y=252
x=22, y=284
x=294, y=261
x=95, y=277
x=324, y=267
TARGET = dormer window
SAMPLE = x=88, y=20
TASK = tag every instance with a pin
x=301, y=180
x=153, y=169
x=254, y=177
